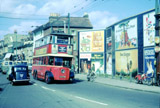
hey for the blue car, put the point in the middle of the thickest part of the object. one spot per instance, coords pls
(19, 73)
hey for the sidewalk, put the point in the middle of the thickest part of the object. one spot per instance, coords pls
(122, 83)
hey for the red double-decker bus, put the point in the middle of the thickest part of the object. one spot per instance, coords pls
(52, 58)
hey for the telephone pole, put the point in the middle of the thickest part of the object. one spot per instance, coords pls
(157, 40)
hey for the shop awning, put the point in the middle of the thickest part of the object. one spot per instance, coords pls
(7, 56)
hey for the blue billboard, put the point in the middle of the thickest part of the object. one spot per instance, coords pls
(149, 57)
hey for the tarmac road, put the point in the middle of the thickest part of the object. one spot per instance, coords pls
(80, 94)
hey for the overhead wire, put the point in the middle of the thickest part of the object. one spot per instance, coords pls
(83, 7)
(76, 4)
(20, 18)
(94, 4)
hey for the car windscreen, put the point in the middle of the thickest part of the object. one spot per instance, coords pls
(20, 69)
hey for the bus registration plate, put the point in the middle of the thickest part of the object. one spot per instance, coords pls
(62, 76)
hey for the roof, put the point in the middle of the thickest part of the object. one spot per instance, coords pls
(75, 22)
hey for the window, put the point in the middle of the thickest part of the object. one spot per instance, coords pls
(20, 69)
(67, 62)
(62, 40)
(10, 63)
(73, 32)
(53, 41)
(50, 60)
(58, 61)
(44, 60)
(45, 40)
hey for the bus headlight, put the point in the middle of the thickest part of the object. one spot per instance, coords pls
(62, 71)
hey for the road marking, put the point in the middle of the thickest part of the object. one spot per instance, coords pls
(35, 84)
(91, 101)
(48, 89)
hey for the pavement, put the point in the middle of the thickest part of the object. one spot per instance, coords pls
(121, 83)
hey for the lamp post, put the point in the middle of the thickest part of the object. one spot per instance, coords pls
(15, 31)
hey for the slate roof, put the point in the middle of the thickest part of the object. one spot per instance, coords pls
(75, 22)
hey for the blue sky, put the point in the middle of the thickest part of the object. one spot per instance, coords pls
(22, 14)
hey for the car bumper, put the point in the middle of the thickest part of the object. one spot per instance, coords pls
(23, 80)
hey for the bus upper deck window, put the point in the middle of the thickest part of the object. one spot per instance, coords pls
(50, 39)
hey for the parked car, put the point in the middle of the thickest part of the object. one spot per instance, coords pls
(19, 73)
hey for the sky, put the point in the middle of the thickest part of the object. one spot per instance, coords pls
(25, 15)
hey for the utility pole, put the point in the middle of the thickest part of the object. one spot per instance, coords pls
(68, 23)
(157, 40)
(16, 43)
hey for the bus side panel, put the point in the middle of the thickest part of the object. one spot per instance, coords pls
(59, 73)
(40, 71)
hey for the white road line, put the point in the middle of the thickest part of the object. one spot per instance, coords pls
(35, 84)
(91, 100)
(48, 89)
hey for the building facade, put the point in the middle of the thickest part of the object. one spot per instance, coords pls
(17, 44)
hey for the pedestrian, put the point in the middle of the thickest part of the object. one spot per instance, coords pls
(93, 68)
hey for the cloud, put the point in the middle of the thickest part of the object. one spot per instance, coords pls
(8, 5)
(24, 27)
(31, 9)
(2, 33)
(25, 9)
(62, 7)
(102, 19)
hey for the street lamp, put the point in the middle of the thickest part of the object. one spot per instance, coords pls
(15, 31)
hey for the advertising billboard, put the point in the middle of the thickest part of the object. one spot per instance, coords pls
(92, 41)
(127, 62)
(85, 41)
(98, 62)
(149, 57)
(109, 52)
(85, 62)
(97, 41)
(126, 35)
(149, 29)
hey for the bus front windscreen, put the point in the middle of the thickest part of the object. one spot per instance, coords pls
(58, 61)
(65, 62)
